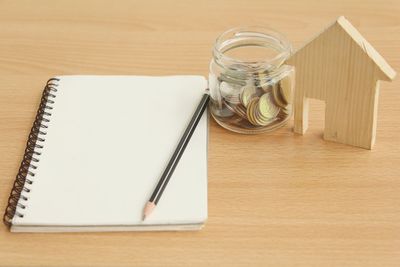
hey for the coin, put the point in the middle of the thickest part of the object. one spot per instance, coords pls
(261, 119)
(230, 92)
(246, 93)
(240, 110)
(286, 88)
(266, 106)
(251, 110)
(226, 89)
(237, 109)
(264, 80)
(286, 110)
(277, 96)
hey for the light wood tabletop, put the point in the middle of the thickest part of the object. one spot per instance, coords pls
(277, 199)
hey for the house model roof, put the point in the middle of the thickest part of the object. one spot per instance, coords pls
(387, 72)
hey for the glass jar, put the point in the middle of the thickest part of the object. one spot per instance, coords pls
(251, 88)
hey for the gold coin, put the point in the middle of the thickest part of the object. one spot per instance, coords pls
(263, 81)
(277, 96)
(250, 111)
(286, 88)
(261, 120)
(266, 106)
(258, 118)
(246, 93)
(286, 110)
(267, 121)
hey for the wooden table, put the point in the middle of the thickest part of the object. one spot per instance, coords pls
(275, 199)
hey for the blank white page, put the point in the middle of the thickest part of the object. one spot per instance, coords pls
(108, 142)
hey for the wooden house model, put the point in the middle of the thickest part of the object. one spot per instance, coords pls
(341, 68)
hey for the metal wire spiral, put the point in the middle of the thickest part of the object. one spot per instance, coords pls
(20, 192)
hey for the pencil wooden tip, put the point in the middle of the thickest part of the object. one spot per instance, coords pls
(148, 209)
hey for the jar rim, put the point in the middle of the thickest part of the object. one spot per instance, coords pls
(263, 34)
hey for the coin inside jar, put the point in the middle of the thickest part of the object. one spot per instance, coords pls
(250, 113)
(246, 93)
(286, 88)
(267, 108)
(277, 96)
(230, 92)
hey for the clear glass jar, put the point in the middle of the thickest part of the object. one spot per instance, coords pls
(251, 88)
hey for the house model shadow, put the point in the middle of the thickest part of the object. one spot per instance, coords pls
(341, 68)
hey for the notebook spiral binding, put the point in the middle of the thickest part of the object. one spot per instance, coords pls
(25, 177)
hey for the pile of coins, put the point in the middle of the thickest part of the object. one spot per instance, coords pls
(258, 100)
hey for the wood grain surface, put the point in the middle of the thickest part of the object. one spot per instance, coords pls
(276, 199)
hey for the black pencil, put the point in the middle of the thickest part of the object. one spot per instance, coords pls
(173, 162)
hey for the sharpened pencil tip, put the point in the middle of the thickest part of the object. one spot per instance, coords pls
(148, 209)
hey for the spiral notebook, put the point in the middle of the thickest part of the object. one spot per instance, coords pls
(97, 148)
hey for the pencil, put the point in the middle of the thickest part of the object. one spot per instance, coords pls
(173, 162)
